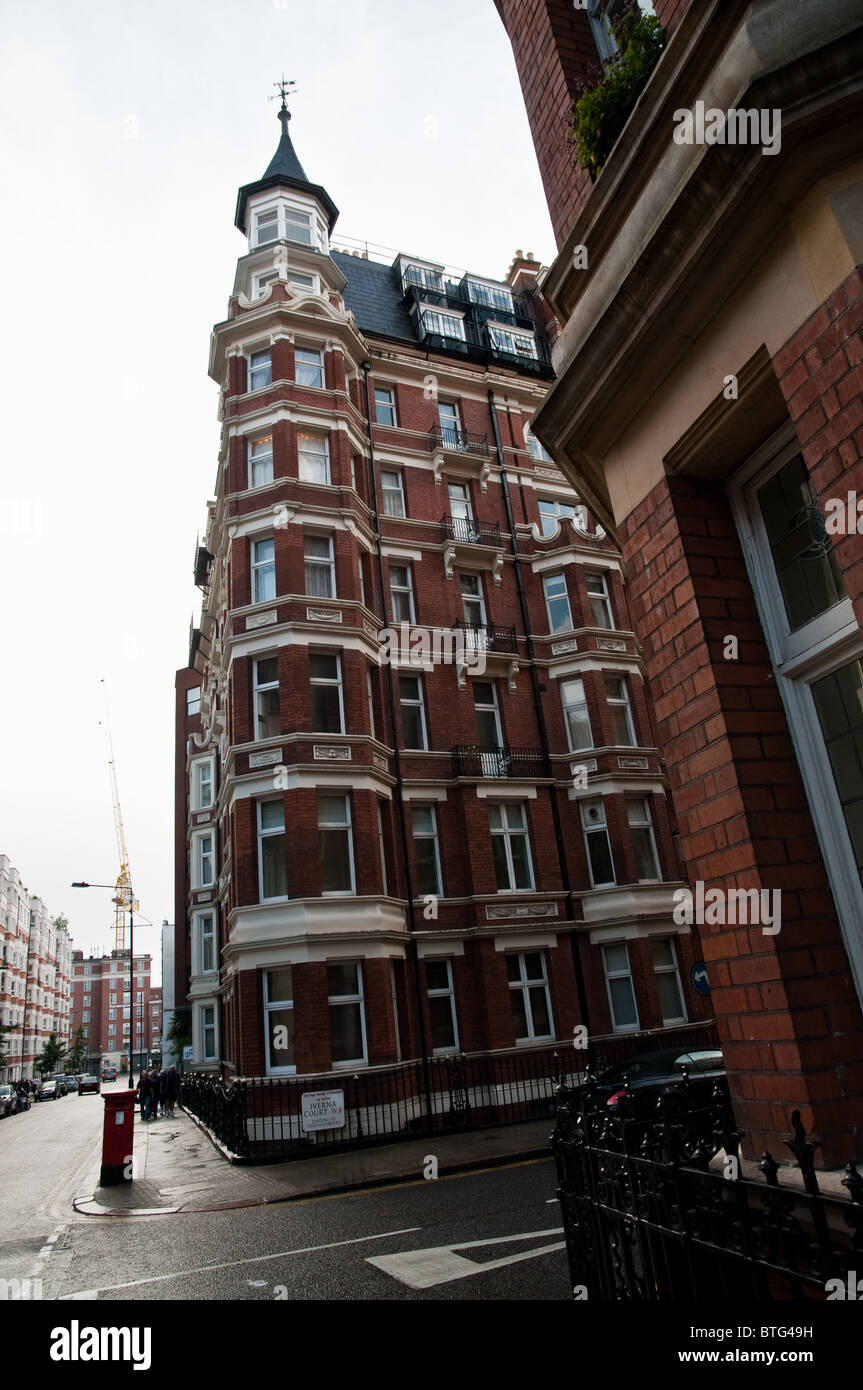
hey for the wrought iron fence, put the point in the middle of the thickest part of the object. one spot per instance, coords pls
(459, 440)
(469, 532)
(647, 1219)
(489, 760)
(488, 637)
(263, 1118)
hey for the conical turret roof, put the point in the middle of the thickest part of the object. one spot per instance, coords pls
(286, 170)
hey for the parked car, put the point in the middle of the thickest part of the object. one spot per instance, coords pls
(48, 1090)
(89, 1085)
(109, 1073)
(653, 1073)
(60, 1078)
(71, 1082)
(8, 1101)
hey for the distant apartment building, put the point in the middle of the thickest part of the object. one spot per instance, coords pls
(420, 808)
(103, 1006)
(35, 970)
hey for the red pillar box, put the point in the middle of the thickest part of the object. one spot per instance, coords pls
(117, 1138)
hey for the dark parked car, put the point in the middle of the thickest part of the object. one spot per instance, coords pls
(109, 1073)
(60, 1078)
(8, 1101)
(49, 1090)
(71, 1082)
(653, 1073)
(89, 1085)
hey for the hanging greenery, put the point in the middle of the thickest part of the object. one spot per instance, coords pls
(610, 91)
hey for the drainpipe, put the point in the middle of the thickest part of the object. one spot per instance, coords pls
(540, 720)
(391, 711)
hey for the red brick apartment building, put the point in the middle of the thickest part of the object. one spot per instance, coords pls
(102, 1006)
(467, 848)
(35, 952)
(707, 406)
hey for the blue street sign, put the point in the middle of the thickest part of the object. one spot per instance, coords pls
(699, 977)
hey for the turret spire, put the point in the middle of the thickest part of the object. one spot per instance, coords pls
(285, 168)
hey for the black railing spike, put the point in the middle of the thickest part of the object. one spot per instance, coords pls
(854, 1183)
(803, 1150)
(770, 1168)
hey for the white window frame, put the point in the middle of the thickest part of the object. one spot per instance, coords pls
(468, 598)
(390, 493)
(389, 405)
(562, 511)
(536, 449)
(200, 859)
(506, 832)
(201, 936)
(419, 704)
(432, 835)
(383, 849)
(546, 579)
(347, 826)
(304, 455)
(268, 216)
(261, 567)
(266, 834)
(329, 683)
(482, 292)
(276, 1006)
(313, 369)
(320, 562)
(261, 462)
(252, 370)
(446, 993)
(337, 999)
(608, 976)
(445, 325)
(193, 704)
(575, 704)
(518, 342)
(259, 687)
(198, 768)
(647, 824)
(204, 1027)
(621, 702)
(524, 985)
(604, 598)
(401, 589)
(820, 648)
(672, 969)
(594, 829)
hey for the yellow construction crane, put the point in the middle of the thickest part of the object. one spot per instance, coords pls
(123, 891)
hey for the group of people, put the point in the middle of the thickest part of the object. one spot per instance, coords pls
(158, 1090)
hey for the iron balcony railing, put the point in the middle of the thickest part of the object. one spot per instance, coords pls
(467, 531)
(487, 760)
(488, 637)
(459, 441)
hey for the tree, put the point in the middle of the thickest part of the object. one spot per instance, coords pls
(178, 1034)
(52, 1055)
(609, 92)
(78, 1051)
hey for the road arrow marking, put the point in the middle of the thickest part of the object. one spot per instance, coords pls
(423, 1269)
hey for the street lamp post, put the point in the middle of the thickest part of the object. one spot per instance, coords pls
(131, 968)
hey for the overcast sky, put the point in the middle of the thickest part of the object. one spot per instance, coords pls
(126, 130)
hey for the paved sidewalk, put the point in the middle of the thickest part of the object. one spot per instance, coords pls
(178, 1169)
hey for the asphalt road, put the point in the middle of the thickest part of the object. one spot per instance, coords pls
(488, 1235)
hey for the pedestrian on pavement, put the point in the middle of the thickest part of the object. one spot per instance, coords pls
(155, 1082)
(145, 1094)
(172, 1089)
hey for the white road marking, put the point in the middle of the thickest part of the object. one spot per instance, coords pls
(231, 1264)
(423, 1269)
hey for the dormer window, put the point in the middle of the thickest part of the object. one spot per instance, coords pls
(494, 296)
(422, 276)
(508, 341)
(445, 325)
(266, 227)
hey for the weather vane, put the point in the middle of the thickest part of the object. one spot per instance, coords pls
(285, 88)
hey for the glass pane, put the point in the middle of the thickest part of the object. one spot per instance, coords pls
(274, 874)
(268, 671)
(280, 988)
(616, 958)
(645, 858)
(839, 704)
(272, 815)
(342, 978)
(319, 581)
(346, 1032)
(539, 1011)
(621, 732)
(335, 861)
(323, 666)
(437, 975)
(533, 965)
(802, 553)
(317, 547)
(426, 863)
(332, 810)
(412, 725)
(269, 721)
(663, 956)
(501, 867)
(670, 1002)
(520, 863)
(519, 1017)
(495, 815)
(440, 1017)
(623, 1003)
(326, 709)
(513, 969)
(423, 820)
(280, 1023)
(601, 865)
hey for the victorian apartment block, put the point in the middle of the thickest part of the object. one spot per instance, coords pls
(102, 1005)
(35, 968)
(707, 405)
(420, 807)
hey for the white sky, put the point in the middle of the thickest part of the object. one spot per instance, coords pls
(125, 131)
